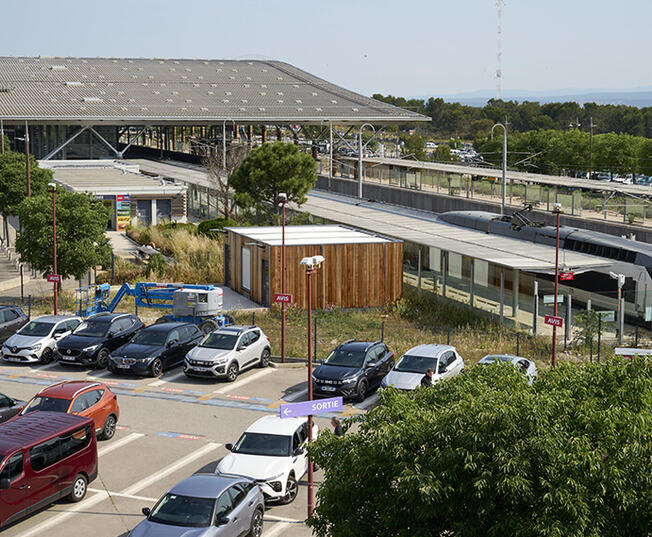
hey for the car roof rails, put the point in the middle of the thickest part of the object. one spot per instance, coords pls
(372, 344)
(347, 342)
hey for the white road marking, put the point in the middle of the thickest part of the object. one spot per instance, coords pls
(296, 395)
(237, 384)
(167, 379)
(101, 374)
(119, 443)
(149, 480)
(368, 402)
(128, 496)
(47, 366)
(277, 529)
(282, 519)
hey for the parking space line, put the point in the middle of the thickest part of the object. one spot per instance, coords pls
(294, 396)
(281, 518)
(237, 384)
(99, 375)
(128, 496)
(168, 379)
(119, 443)
(153, 478)
(278, 528)
(369, 402)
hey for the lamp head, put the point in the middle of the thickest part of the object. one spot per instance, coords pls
(282, 197)
(312, 262)
(52, 187)
(556, 208)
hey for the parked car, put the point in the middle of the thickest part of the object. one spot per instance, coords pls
(155, 348)
(527, 367)
(35, 341)
(444, 360)
(226, 352)
(224, 506)
(352, 369)
(94, 339)
(12, 318)
(271, 451)
(9, 407)
(89, 399)
(44, 456)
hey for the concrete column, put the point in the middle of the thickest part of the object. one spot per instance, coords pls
(581, 202)
(502, 294)
(444, 270)
(516, 285)
(236, 132)
(472, 284)
(624, 208)
(154, 217)
(419, 270)
(250, 135)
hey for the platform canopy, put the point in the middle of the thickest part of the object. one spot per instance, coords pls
(124, 91)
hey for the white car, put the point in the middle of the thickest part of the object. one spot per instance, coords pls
(35, 342)
(527, 367)
(272, 451)
(408, 371)
(226, 352)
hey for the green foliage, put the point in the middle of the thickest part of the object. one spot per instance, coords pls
(586, 323)
(486, 454)
(414, 145)
(442, 153)
(13, 182)
(269, 170)
(81, 240)
(170, 227)
(205, 227)
(156, 265)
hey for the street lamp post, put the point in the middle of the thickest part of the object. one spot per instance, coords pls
(27, 170)
(311, 264)
(504, 192)
(557, 211)
(621, 305)
(52, 187)
(283, 198)
(360, 156)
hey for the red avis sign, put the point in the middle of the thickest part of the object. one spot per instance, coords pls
(53, 278)
(282, 298)
(566, 276)
(554, 321)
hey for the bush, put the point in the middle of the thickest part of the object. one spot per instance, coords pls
(204, 228)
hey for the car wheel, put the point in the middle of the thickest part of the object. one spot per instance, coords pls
(102, 359)
(361, 392)
(79, 487)
(108, 431)
(232, 372)
(230, 319)
(264, 358)
(156, 368)
(208, 326)
(47, 356)
(256, 529)
(291, 490)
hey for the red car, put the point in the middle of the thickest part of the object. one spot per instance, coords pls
(89, 399)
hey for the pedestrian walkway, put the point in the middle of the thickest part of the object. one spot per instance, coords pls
(122, 245)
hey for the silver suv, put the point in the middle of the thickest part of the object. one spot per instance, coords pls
(226, 352)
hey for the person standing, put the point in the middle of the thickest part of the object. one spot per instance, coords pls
(337, 426)
(427, 378)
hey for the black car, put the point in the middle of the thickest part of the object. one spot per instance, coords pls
(12, 319)
(96, 337)
(352, 369)
(155, 348)
(9, 407)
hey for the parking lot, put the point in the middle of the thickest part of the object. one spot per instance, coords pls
(169, 428)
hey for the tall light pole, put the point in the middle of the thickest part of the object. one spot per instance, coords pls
(504, 191)
(52, 187)
(2, 138)
(621, 305)
(27, 170)
(591, 125)
(360, 156)
(283, 198)
(557, 211)
(311, 264)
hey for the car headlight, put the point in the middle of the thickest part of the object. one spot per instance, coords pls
(220, 361)
(274, 477)
(35, 347)
(351, 380)
(92, 348)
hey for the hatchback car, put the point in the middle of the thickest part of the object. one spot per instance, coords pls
(88, 399)
(35, 341)
(352, 369)
(155, 348)
(206, 505)
(271, 451)
(228, 351)
(9, 407)
(444, 360)
(94, 339)
(11, 319)
(527, 367)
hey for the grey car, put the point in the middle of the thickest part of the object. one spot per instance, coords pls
(206, 505)
(9, 407)
(525, 366)
(12, 318)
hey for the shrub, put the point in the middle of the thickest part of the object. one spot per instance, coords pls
(204, 228)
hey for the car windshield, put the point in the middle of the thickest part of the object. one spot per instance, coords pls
(150, 337)
(410, 363)
(345, 358)
(92, 329)
(217, 340)
(36, 328)
(187, 511)
(496, 358)
(51, 404)
(268, 445)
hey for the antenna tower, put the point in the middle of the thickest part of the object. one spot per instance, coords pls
(499, 50)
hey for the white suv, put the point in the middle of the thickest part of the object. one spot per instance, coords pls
(444, 360)
(272, 451)
(226, 352)
(35, 342)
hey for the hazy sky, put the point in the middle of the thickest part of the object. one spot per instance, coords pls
(409, 47)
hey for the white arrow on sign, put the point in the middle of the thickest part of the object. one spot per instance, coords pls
(286, 411)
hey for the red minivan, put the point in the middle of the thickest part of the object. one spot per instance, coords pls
(44, 456)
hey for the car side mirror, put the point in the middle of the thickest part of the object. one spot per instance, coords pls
(229, 447)
(371, 364)
(222, 520)
(146, 511)
(5, 484)
(298, 452)
(171, 343)
(442, 369)
(240, 347)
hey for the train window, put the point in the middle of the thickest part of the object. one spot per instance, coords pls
(631, 256)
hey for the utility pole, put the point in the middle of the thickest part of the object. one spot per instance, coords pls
(557, 211)
(2, 138)
(504, 189)
(283, 198)
(53, 188)
(591, 125)
(27, 171)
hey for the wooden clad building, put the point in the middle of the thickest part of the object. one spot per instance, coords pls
(361, 269)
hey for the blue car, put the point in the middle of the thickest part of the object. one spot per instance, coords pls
(206, 505)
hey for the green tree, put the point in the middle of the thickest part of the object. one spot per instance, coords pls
(415, 145)
(81, 240)
(442, 153)
(486, 454)
(269, 170)
(13, 182)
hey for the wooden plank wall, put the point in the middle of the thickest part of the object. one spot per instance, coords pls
(236, 242)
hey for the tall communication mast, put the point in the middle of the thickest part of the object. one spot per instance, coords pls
(499, 50)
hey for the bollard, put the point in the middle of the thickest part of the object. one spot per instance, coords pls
(636, 337)
(382, 331)
(253, 318)
(29, 306)
(599, 334)
(22, 295)
(591, 350)
(448, 337)
(518, 343)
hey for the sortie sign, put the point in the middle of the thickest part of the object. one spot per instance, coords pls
(309, 408)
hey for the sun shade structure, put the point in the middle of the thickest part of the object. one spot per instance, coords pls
(125, 91)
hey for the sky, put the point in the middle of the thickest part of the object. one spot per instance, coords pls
(407, 48)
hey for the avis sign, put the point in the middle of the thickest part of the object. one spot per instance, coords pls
(53, 278)
(554, 321)
(566, 276)
(309, 408)
(282, 298)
